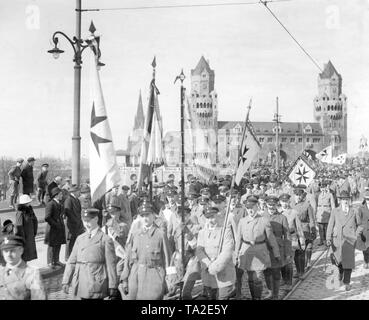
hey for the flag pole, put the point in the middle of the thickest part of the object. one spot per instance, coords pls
(233, 181)
(181, 77)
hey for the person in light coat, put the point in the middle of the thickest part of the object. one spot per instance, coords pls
(344, 228)
(218, 272)
(363, 242)
(91, 267)
(254, 236)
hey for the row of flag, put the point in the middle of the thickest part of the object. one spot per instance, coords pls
(326, 155)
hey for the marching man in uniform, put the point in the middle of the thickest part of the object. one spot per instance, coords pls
(148, 256)
(218, 272)
(91, 267)
(344, 228)
(18, 281)
(325, 206)
(254, 232)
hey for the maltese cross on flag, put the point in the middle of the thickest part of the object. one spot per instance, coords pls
(301, 173)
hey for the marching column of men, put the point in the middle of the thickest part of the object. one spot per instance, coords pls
(128, 246)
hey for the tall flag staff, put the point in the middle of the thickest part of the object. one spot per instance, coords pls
(145, 168)
(181, 77)
(241, 156)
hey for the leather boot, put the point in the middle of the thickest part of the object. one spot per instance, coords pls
(11, 202)
(289, 275)
(269, 283)
(275, 290)
(258, 289)
(239, 274)
(252, 289)
(308, 258)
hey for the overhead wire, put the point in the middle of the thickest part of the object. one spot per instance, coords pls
(184, 6)
(294, 39)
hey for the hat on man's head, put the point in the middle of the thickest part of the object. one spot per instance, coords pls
(90, 213)
(74, 188)
(218, 198)
(31, 159)
(251, 201)
(125, 187)
(300, 189)
(114, 204)
(272, 200)
(193, 196)
(145, 209)
(285, 197)
(223, 188)
(12, 241)
(7, 223)
(85, 189)
(20, 160)
(55, 191)
(210, 211)
(24, 199)
(366, 194)
(46, 165)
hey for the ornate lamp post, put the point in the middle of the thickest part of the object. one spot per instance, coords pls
(78, 46)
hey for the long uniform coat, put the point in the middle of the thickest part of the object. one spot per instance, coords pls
(364, 216)
(21, 283)
(27, 179)
(42, 180)
(91, 267)
(55, 230)
(72, 212)
(26, 227)
(148, 255)
(282, 235)
(325, 206)
(254, 233)
(207, 253)
(343, 230)
(306, 216)
(296, 230)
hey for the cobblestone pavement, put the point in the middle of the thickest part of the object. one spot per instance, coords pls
(324, 285)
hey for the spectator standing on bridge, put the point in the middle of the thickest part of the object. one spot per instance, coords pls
(56, 183)
(18, 281)
(85, 197)
(27, 176)
(72, 212)
(42, 184)
(55, 230)
(26, 227)
(14, 177)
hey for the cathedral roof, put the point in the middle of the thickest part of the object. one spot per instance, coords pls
(329, 71)
(267, 127)
(139, 118)
(203, 64)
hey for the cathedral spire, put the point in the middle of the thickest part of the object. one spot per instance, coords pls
(139, 118)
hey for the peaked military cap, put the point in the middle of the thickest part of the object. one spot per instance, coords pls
(193, 196)
(31, 159)
(85, 189)
(285, 197)
(125, 187)
(90, 213)
(251, 199)
(300, 188)
(45, 165)
(218, 198)
(20, 160)
(114, 205)
(210, 211)
(145, 209)
(12, 241)
(272, 200)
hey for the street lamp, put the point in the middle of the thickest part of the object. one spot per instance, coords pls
(78, 46)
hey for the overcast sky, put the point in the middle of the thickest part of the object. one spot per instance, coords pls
(249, 51)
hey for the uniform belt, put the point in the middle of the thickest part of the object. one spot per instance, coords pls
(324, 205)
(150, 266)
(257, 242)
(86, 262)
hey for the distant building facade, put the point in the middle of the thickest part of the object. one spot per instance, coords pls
(217, 142)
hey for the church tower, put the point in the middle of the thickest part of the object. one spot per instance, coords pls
(204, 112)
(330, 109)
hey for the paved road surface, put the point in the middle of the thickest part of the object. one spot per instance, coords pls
(322, 285)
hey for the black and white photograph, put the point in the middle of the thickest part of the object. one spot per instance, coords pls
(196, 150)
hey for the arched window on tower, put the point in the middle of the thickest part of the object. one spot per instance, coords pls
(197, 105)
(211, 105)
(329, 108)
(200, 104)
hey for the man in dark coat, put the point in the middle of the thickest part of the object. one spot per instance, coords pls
(26, 227)
(27, 176)
(55, 230)
(72, 212)
(14, 177)
(42, 183)
(56, 183)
